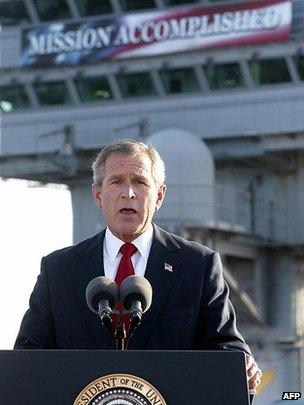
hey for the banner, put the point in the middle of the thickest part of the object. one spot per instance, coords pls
(156, 33)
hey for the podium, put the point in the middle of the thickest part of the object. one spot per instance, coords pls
(91, 377)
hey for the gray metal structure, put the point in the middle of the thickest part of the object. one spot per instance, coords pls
(255, 136)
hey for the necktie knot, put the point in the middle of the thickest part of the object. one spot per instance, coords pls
(128, 249)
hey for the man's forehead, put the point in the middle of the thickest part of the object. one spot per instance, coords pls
(117, 161)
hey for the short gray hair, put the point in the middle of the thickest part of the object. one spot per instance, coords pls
(132, 148)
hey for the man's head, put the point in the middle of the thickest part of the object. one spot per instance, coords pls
(128, 186)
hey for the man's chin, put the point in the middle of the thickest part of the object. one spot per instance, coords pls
(128, 233)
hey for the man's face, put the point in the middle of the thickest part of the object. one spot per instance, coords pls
(128, 196)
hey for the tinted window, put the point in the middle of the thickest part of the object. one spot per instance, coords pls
(136, 4)
(92, 7)
(93, 89)
(224, 76)
(179, 80)
(52, 93)
(12, 12)
(12, 98)
(299, 60)
(52, 9)
(136, 85)
(269, 71)
(176, 2)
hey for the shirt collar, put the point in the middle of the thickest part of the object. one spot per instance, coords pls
(143, 243)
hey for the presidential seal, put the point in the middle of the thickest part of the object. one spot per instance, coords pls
(119, 389)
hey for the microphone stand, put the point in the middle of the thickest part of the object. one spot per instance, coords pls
(135, 322)
(120, 336)
(104, 313)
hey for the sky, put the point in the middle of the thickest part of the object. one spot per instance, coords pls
(34, 221)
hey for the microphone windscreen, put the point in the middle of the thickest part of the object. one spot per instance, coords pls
(101, 288)
(136, 288)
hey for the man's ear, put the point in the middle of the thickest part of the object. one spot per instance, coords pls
(160, 196)
(96, 191)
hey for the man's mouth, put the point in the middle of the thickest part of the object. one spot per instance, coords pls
(128, 211)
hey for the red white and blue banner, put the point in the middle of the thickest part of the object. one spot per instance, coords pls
(157, 33)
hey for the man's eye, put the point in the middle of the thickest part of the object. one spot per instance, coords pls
(116, 181)
(140, 181)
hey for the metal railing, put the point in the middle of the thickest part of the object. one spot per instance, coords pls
(297, 28)
(232, 209)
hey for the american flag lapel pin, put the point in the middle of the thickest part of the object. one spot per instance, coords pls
(168, 267)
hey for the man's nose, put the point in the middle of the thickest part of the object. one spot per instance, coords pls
(128, 191)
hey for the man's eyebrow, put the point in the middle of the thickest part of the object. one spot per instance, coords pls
(116, 177)
(122, 176)
(139, 176)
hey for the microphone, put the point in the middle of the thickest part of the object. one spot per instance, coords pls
(102, 296)
(136, 296)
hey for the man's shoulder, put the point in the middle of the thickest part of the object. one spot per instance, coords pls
(78, 249)
(182, 243)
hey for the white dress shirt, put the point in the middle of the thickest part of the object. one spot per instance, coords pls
(112, 255)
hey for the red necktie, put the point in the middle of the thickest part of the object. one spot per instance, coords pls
(125, 269)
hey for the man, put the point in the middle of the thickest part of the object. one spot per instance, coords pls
(190, 308)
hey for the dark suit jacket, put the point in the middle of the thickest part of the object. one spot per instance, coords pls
(190, 308)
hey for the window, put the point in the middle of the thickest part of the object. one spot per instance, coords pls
(93, 89)
(299, 61)
(128, 5)
(52, 9)
(136, 85)
(93, 7)
(12, 12)
(176, 2)
(179, 80)
(52, 93)
(269, 71)
(224, 76)
(13, 97)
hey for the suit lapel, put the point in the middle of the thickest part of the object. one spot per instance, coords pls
(91, 266)
(162, 268)
(164, 254)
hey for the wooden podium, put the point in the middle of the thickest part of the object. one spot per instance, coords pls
(58, 377)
